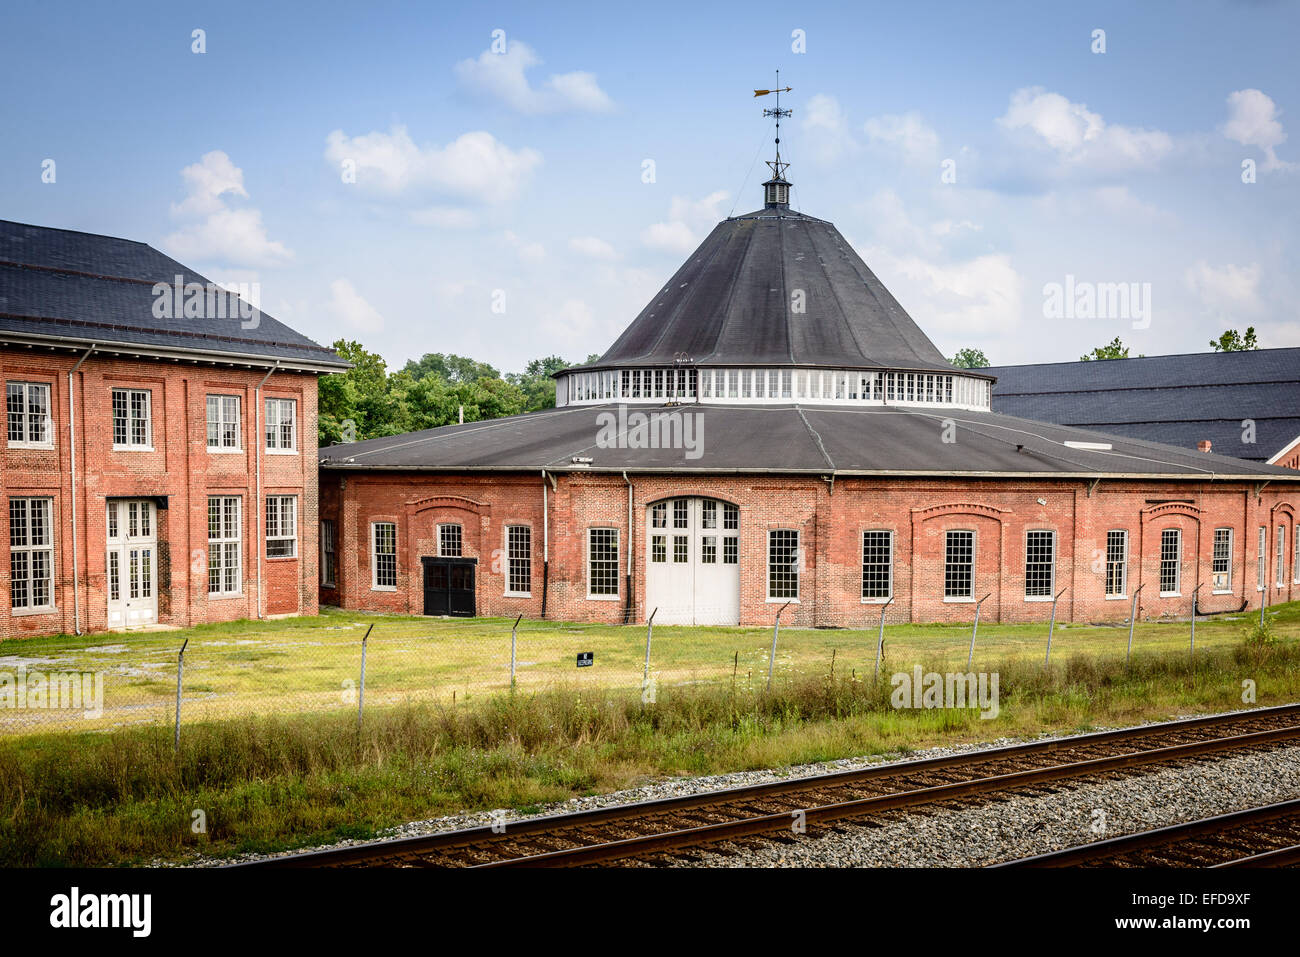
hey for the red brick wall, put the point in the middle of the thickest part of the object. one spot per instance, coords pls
(831, 523)
(180, 467)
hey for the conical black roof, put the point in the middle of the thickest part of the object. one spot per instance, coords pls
(733, 302)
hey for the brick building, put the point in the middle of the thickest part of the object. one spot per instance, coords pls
(159, 464)
(774, 429)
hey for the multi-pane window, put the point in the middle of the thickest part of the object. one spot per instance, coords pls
(329, 558)
(730, 550)
(730, 516)
(681, 549)
(132, 425)
(709, 513)
(450, 539)
(877, 564)
(602, 561)
(28, 405)
(281, 425)
(1171, 554)
(1221, 561)
(709, 550)
(680, 512)
(223, 422)
(223, 545)
(959, 564)
(1040, 563)
(1295, 558)
(659, 548)
(659, 515)
(519, 560)
(1116, 563)
(31, 554)
(782, 563)
(1279, 562)
(1261, 559)
(281, 526)
(383, 543)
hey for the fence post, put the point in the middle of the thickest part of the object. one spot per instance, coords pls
(514, 639)
(880, 640)
(1192, 648)
(1052, 627)
(649, 630)
(180, 673)
(974, 628)
(776, 630)
(1263, 601)
(361, 697)
(1132, 620)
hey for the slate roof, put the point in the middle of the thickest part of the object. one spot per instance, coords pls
(731, 304)
(1178, 400)
(813, 440)
(62, 285)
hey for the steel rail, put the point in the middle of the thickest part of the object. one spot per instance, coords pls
(400, 850)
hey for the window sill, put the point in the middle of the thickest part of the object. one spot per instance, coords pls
(134, 448)
(281, 451)
(602, 598)
(1117, 598)
(1171, 594)
(877, 601)
(32, 446)
(1222, 591)
(1038, 598)
(778, 601)
(225, 595)
(518, 594)
(281, 558)
(383, 588)
(959, 601)
(328, 585)
(213, 451)
(26, 612)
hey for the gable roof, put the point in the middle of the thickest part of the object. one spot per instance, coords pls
(1178, 400)
(733, 302)
(58, 285)
(814, 440)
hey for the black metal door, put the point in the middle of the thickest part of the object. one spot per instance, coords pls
(449, 586)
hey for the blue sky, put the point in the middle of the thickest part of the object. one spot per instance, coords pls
(516, 178)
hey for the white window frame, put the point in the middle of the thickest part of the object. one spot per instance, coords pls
(222, 423)
(1261, 560)
(974, 557)
(375, 583)
(30, 549)
(278, 403)
(131, 445)
(329, 546)
(460, 539)
(280, 535)
(796, 569)
(1295, 556)
(1279, 557)
(1051, 585)
(618, 557)
(26, 415)
(220, 546)
(889, 593)
(1122, 563)
(511, 559)
(1178, 565)
(1226, 589)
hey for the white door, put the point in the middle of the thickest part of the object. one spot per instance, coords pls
(132, 566)
(693, 562)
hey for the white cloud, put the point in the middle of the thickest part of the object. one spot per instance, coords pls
(475, 165)
(592, 246)
(975, 297)
(1226, 289)
(906, 134)
(348, 308)
(1080, 137)
(1253, 121)
(826, 136)
(529, 252)
(502, 76)
(446, 217)
(574, 322)
(215, 232)
(687, 224)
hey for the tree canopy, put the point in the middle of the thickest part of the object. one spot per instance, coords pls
(1233, 341)
(1111, 350)
(970, 359)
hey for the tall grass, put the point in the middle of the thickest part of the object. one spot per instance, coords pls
(270, 782)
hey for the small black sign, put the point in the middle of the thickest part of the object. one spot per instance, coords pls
(586, 659)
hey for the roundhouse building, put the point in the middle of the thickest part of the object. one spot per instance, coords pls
(774, 428)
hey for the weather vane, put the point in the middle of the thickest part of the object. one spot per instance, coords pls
(777, 167)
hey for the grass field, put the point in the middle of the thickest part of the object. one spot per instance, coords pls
(313, 664)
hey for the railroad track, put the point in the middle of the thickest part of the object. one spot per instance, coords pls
(779, 809)
(1258, 837)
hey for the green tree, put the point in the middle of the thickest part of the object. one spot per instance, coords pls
(970, 359)
(357, 403)
(1112, 350)
(1233, 341)
(451, 368)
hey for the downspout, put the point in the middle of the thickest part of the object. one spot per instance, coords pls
(72, 489)
(259, 509)
(631, 538)
(546, 540)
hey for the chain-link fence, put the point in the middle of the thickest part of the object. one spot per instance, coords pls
(338, 662)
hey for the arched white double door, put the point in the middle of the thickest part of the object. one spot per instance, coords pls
(693, 561)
